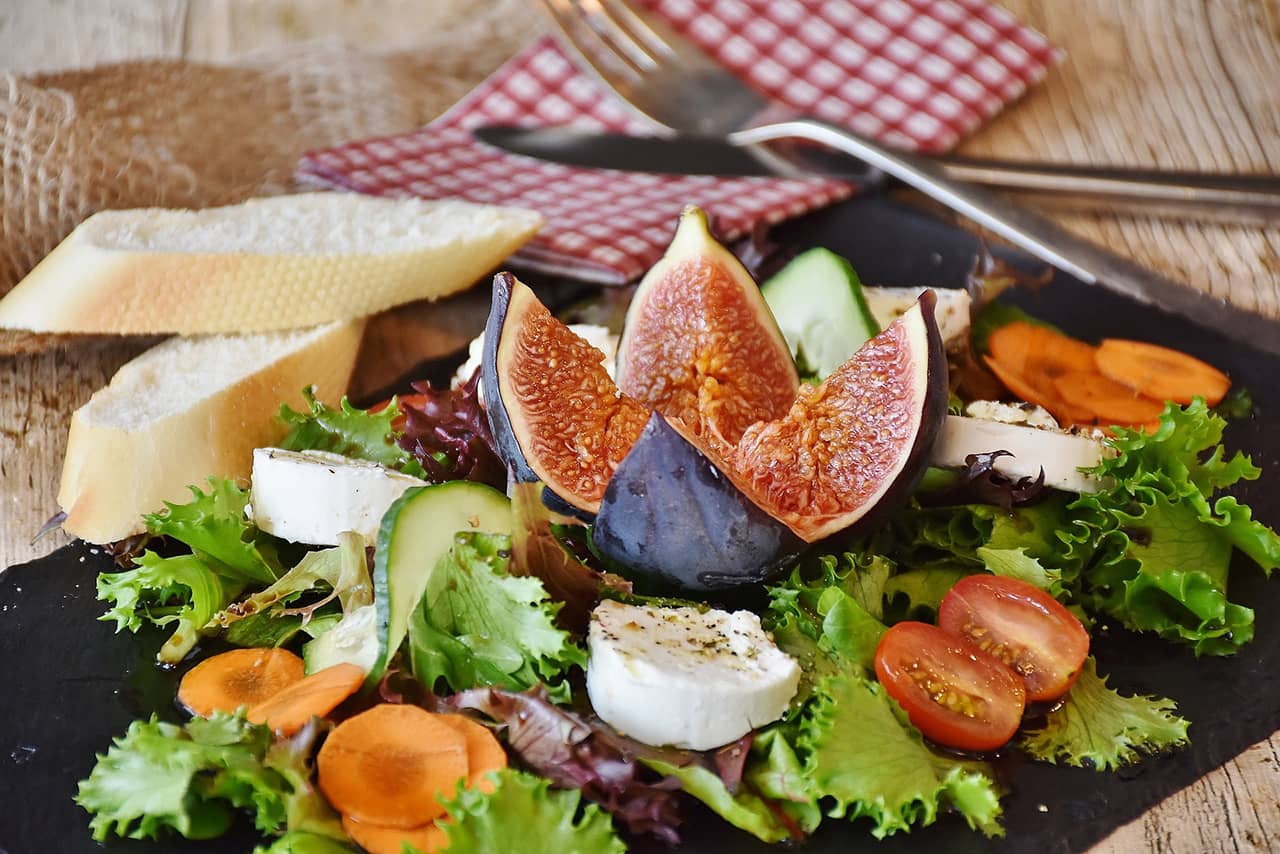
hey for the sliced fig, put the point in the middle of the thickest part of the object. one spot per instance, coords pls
(681, 507)
(700, 343)
(857, 443)
(555, 413)
(672, 518)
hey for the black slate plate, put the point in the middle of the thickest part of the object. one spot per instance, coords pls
(70, 684)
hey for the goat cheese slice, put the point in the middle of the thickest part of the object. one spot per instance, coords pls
(1062, 455)
(683, 677)
(887, 304)
(312, 496)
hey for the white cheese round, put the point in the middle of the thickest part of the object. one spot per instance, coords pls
(312, 496)
(1061, 455)
(683, 677)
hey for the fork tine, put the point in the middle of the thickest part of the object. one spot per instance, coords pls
(637, 27)
(601, 19)
(584, 40)
(659, 38)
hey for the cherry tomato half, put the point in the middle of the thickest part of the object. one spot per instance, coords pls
(953, 692)
(1021, 625)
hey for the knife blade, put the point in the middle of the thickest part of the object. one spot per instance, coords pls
(1243, 199)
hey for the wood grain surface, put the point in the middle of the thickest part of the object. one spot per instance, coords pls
(1170, 83)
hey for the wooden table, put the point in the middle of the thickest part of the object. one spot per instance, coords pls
(1173, 83)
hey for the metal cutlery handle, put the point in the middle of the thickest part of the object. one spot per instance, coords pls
(1227, 198)
(1029, 231)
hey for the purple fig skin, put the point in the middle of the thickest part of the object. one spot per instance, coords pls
(672, 521)
(504, 437)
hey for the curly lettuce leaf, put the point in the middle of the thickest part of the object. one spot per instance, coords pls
(213, 524)
(521, 813)
(838, 613)
(1160, 546)
(918, 591)
(191, 779)
(479, 626)
(861, 754)
(182, 592)
(1099, 728)
(350, 431)
(187, 590)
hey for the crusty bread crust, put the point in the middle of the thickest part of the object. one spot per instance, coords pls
(113, 474)
(86, 287)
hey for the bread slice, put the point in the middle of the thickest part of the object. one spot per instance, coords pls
(188, 409)
(284, 262)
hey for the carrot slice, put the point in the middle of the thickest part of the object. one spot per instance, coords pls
(376, 839)
(389, 765)
(1108, 400)
(317, 695)
(1161, 373)
(484, 753)
(241, 677)
(1041, 394)
(1029, 350)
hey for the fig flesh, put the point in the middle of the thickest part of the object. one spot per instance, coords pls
(555, 413)
(857, 443)
(700, 343)
(672, 519)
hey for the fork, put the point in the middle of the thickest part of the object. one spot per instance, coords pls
(673, 84)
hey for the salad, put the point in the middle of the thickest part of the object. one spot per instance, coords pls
(805, 553)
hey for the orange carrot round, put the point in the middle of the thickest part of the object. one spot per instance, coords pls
(241, 677)
(317, 695)
(1161, 373)
(1029, 350)
(391, 765)
(1040, 393)
(1108, 400)
(484, 753)
(376, 839)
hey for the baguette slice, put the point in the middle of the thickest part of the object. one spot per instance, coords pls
(285, 262)
(188, 409)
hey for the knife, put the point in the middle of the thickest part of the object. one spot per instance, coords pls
(1248, 199)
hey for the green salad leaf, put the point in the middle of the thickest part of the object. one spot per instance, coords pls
(521, 813)
(213, 524)
(340, 573)
(480, 626)
(1159, 545)
(301, 842)
(1097, 727)
(185, 591)
(744, 809)
(191, 779)
(775, 771)
(860, 752)
(838, 613)
(182, 592)
(350, 431)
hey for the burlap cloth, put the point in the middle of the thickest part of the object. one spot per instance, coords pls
(181, 134)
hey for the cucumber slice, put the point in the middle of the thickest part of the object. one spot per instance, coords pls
(818, 303)
(417, 531)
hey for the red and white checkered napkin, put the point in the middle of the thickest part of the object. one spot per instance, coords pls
(912, 73)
